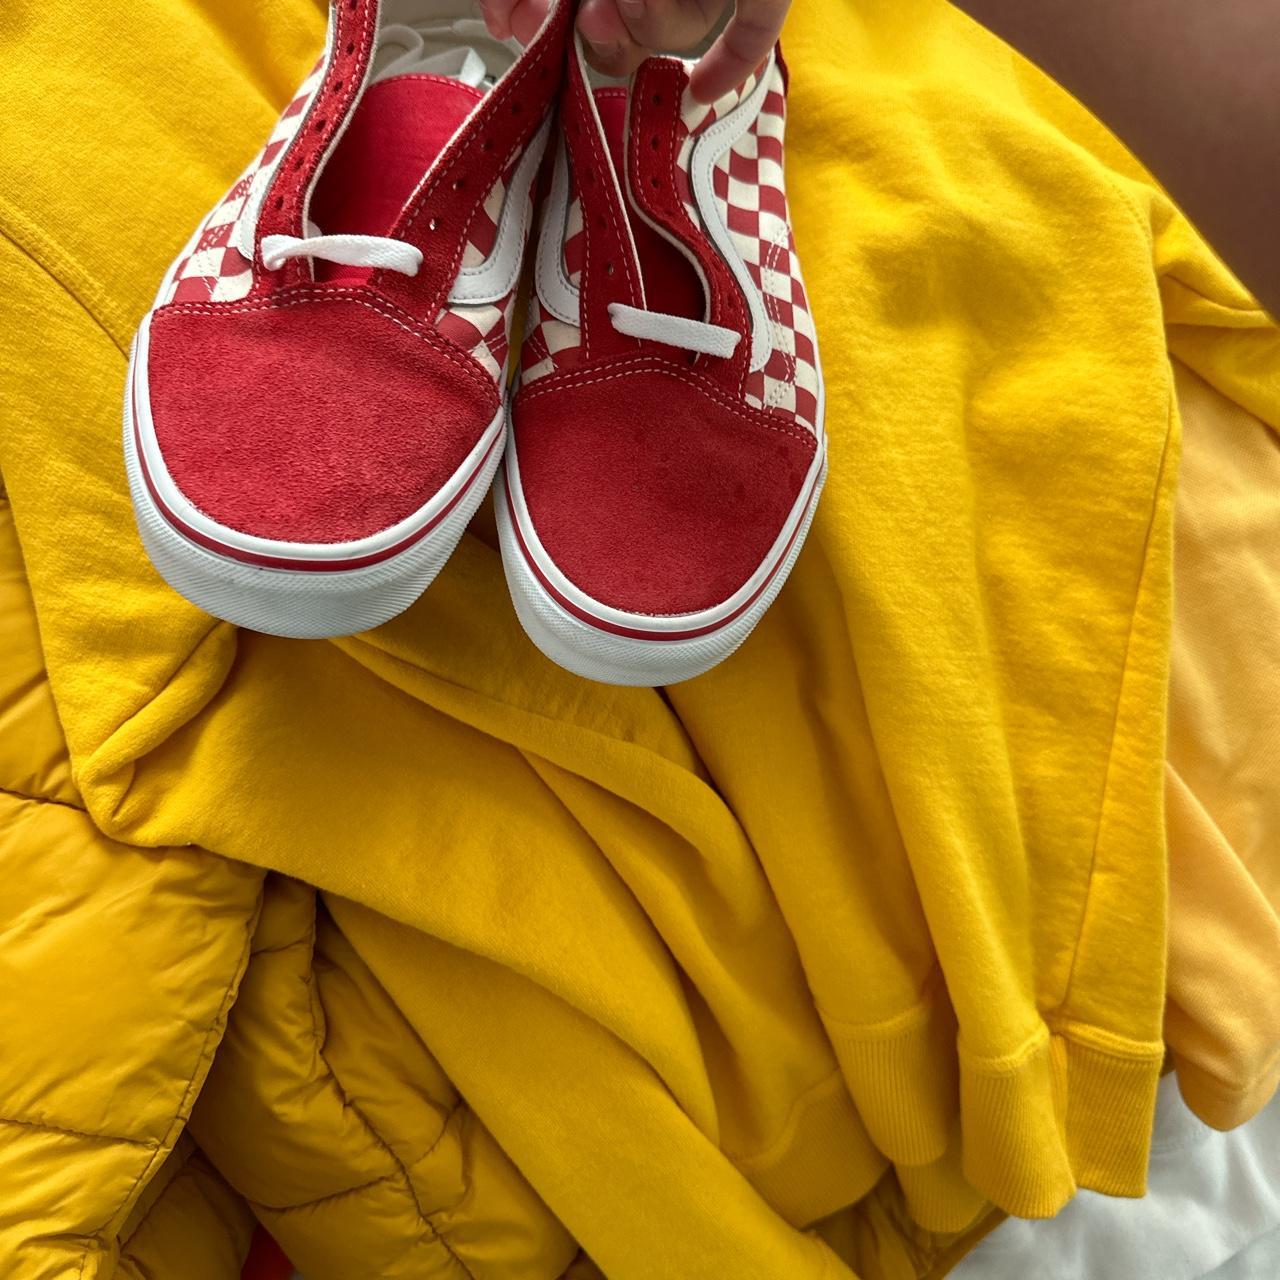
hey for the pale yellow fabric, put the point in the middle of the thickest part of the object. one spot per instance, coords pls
(885, 889)
(1223, 1022)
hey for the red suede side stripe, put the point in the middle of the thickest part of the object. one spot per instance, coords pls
(355, 29)
(452, 193)
(282, 562)
(652, 156)
(636, 633)
(610, 272)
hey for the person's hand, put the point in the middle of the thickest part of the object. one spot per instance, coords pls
(620, 34)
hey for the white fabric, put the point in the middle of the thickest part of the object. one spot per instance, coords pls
(1212, 1209)
(463, 63)
(676, 331)
(1258, 1261)
(351, 251)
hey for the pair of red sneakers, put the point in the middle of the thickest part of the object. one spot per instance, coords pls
(317, 403)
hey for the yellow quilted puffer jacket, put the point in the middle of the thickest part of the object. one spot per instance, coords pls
(128, 968)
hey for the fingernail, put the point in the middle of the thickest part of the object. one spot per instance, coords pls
(607, 52)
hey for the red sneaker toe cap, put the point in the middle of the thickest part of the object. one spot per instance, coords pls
(652, 494)
(316, 421)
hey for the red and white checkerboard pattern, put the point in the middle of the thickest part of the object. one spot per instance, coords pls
(748, 183)
(215, 270)
(482, 234)
(750, 188)
(696, 118)
(485, 330)
(789, 382)
(550, 344)
(575, 241)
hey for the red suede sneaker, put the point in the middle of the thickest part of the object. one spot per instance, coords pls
(315, 403)
(667, 449)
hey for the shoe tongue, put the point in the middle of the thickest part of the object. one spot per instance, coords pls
(402, 51)
(671, 284)
(413, 106)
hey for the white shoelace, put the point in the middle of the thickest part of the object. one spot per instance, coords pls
(378, 252)
(383, 252)
(675, 331)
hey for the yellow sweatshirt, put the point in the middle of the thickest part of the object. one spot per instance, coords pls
(886, 889)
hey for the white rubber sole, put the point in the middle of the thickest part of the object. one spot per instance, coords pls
(337, 589)
(601, 643)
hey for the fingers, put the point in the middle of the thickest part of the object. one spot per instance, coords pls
(669, 25)
(609, 45)
(741, 47)
(497, 17)
(527, 17)
(518, 18)
(620, 34)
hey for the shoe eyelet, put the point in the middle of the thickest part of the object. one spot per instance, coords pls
(337, 85)
(517, 108)
(432, 224)
(457, 184)
(653, 182)
(608, 268)
(279, 203)
(486, 144)
(351, 48)
(657, 99)
(653, 142)
(319, 125)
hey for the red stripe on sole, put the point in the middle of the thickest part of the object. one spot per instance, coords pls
(636, 633)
